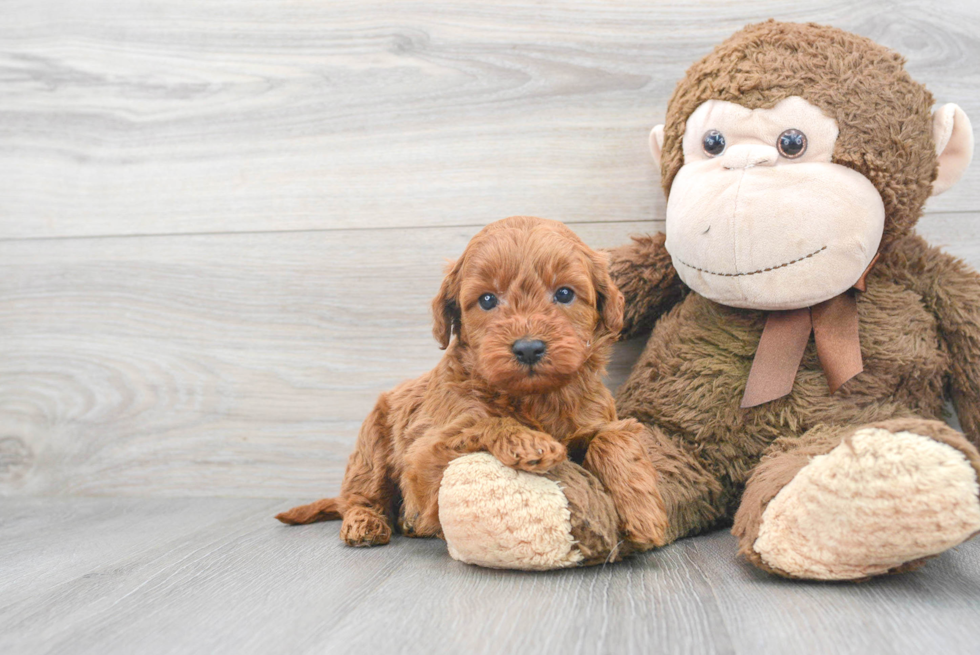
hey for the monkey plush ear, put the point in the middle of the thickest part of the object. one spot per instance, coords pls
(657, 143)
(953, 135)
(445, 306)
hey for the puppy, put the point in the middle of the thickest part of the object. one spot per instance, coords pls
(534, 314)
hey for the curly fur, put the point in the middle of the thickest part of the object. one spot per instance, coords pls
(481, 398)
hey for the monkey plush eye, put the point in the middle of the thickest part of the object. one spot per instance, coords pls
(564, 295)
(488, 301)
(791, 144)
(713, 143)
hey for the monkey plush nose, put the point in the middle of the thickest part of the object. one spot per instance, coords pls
(747, 156)
(528, 351)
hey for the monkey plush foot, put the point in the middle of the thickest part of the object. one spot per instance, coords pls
(881, 501)
(498, 517)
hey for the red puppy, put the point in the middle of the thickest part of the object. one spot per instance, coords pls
(534, 313)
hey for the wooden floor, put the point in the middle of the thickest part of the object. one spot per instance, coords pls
(221, 225)
(127, 576)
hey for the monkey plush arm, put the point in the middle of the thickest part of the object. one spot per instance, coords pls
(954, 293)
(645, 275)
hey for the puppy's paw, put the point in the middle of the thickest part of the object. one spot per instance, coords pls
(406, 523)
(467, 442)
(364, 527)
(416, 525)
(647, 528)
(529, 451)
(641, 508)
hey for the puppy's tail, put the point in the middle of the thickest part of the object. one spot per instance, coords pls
(328, 509)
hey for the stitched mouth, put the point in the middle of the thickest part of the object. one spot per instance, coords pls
(761, 270)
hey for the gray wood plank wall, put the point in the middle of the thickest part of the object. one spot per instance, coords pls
(221, 222)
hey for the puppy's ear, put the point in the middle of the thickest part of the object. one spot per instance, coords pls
(445, 306)
(610, 302)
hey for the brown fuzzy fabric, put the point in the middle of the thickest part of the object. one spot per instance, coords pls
(593, 515)
(651, 281)
(481, 397)
(950, 289)
(919, 319)
(692, 495)
(884, 119)
(687, 384)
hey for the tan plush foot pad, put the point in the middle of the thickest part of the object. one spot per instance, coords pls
(494, 516)
(869, 506)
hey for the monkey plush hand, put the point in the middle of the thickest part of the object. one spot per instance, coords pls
(796, 384)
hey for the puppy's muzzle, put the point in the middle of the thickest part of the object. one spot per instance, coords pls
(528, 351)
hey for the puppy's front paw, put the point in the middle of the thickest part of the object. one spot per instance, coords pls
(529, 451)
(647, 528)
(364, 527)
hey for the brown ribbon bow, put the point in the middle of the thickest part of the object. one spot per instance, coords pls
(834, 324)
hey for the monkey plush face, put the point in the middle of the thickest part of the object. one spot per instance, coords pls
(791, 155)
(760, 216)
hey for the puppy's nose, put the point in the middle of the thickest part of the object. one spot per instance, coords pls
(528, 351)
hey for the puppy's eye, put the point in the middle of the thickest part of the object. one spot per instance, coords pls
(564, 295)
(713, 143)
(488, 301)
(791, 144)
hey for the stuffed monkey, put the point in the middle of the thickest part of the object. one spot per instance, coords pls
(804, 339)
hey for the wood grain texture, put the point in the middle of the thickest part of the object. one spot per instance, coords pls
(183, 116)
(220, 576)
